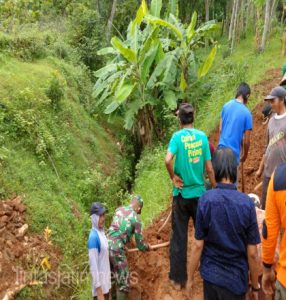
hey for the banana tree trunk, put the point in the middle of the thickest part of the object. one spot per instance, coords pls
(146, 129)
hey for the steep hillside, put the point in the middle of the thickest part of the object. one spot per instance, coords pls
(54, 154)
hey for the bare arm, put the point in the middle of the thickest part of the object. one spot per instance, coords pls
(169, 164)
(253, 263)
(261, 166)
(210, 171)
(177, 181)
(246, 145)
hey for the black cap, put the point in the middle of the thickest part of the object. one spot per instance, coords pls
(278, 91)
(97, 208)
(185, 109)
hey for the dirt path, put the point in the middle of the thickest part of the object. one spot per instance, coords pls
(151, 269)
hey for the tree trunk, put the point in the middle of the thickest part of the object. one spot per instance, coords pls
(247, 15)
(231, 21)
(110, 20)
(234, 29)
(284, 43)
(274, 8)
(266, 24)
(283, 15)
(207, 8)
(257, 32)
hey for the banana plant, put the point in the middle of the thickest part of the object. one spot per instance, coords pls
(155, 65)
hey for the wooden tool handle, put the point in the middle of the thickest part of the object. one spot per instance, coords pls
(152, 247)
(165, 223)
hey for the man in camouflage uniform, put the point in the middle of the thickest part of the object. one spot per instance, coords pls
(126, 223)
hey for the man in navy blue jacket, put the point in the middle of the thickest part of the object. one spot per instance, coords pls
(226, 235)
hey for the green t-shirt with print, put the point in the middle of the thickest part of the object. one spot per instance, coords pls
(191, 149)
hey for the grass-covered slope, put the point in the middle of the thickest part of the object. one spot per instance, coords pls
(52, 152)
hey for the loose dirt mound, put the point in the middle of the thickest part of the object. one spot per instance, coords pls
(150, 277)
(21, 252)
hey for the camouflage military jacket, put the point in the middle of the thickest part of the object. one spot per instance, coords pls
(126, 223)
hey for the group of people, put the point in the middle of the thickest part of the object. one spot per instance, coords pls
(228, 233)
(107, 253)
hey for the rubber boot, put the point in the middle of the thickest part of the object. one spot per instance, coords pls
(121, 295)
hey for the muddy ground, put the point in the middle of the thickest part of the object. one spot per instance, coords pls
(152, 268)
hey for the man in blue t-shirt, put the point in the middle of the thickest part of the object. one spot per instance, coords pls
(190, 150)
(226, 236)
(236, 124)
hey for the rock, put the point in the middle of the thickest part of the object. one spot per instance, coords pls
(18, 252)
(23, 230)
(9, 244)
(21, 208)
(7, 209)
(4, 219)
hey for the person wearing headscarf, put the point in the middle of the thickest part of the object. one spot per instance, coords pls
(99, 254)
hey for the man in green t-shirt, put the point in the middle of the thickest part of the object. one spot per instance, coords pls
(191, 150)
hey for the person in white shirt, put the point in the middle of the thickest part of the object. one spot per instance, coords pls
(98, 254)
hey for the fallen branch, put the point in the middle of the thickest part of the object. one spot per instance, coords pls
(166, 221)
(152, 247)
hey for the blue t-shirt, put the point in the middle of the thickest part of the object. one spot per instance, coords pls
(191, 148)
(236, 119)
(227, 222)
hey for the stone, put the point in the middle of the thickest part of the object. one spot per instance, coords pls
(23, 230)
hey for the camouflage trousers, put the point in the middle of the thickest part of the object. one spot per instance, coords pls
(119, 269)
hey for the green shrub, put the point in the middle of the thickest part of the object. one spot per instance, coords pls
(85, 34)
(55, 90)
(27, 45)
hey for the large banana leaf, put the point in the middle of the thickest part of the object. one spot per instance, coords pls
(164, 23)
(205, 67)
(207, 28)
(192, 26)
(156, 73)
(124, 92)
(170, 71)
(147, 44)
(107, 50)
(177, 24)
(141, 12)
(170, 99)
(111, 107)
(133, 36)
(173, 7)
(105, 85)
(183, 82)
(156, 6)
(106, 71)
(148, 61)
(130, 115)
(127, 53)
